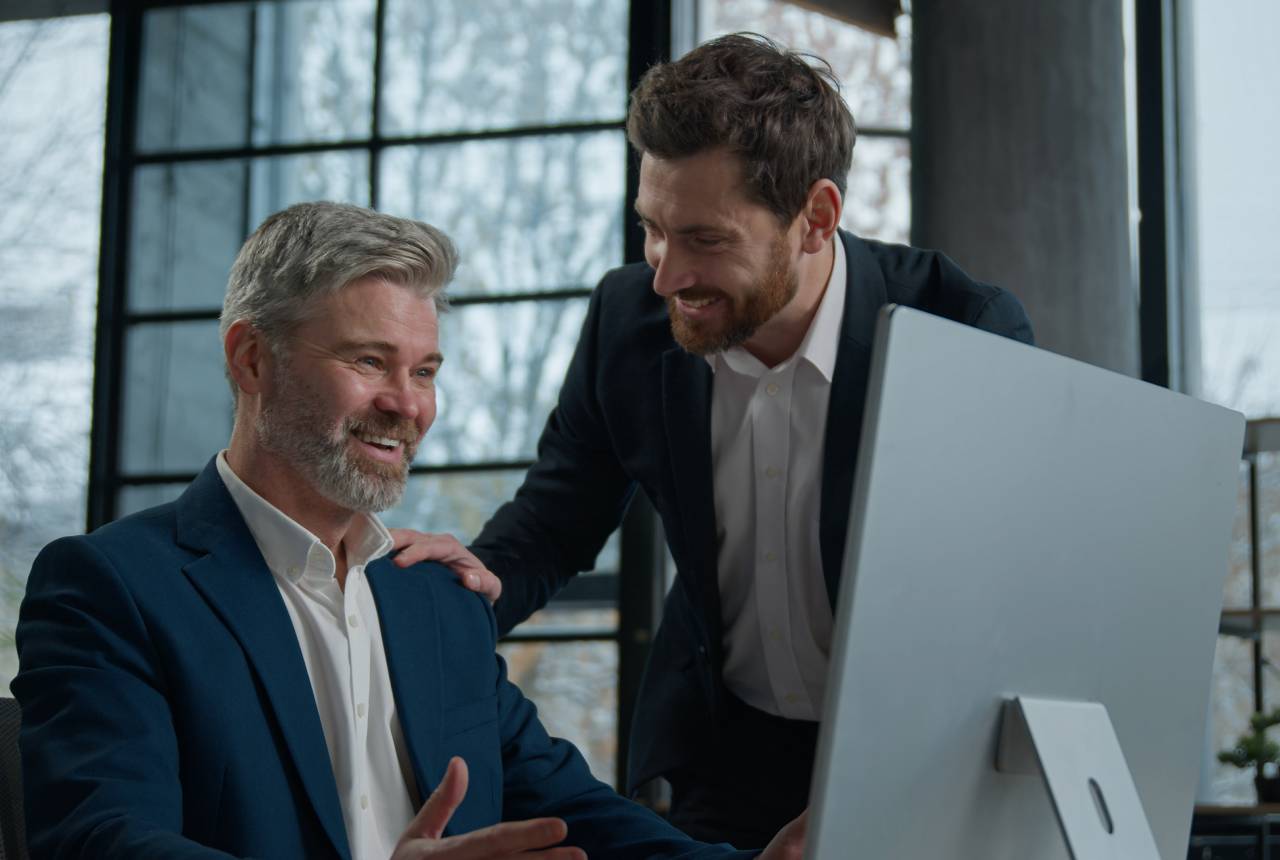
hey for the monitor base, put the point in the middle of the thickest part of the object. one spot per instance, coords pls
(1074, 747)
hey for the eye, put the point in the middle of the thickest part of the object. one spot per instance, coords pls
(705, 242)
(427, 373)
(370, 362)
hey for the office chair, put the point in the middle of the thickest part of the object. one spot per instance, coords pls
(13, 825)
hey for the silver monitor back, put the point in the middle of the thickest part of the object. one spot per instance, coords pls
(1022, 523)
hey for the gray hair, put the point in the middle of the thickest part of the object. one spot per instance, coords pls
(311, 250)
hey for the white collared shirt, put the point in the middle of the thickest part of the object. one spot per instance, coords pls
(767, 435)
(341, 641)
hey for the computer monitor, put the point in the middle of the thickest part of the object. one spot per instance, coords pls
(1023, 524)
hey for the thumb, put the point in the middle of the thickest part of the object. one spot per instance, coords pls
(434, 816)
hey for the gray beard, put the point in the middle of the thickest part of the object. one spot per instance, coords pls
(293, 429)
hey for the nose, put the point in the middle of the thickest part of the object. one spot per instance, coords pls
(401, 398)
(672, 270)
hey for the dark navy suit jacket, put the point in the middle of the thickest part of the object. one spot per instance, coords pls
(635, 410)
(167, 711)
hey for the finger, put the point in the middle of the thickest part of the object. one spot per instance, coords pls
(434, 816)
(501, 840)
(414, 547)
(401, 538)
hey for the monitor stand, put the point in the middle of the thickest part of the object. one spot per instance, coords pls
(1074, 747)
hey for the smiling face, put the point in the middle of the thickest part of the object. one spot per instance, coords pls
(722, 261)
(352, 393)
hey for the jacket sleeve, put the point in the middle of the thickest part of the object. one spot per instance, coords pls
(545, 776)
(572, 498)
(99, 750)
(1003, 314)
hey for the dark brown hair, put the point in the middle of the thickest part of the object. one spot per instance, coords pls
(778, 110)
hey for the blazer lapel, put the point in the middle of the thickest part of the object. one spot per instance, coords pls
(233, 577)
(411, 639)
(864, 296)
(686, 414)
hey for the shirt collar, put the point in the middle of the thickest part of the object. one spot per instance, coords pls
(822, 340)
(290, 550)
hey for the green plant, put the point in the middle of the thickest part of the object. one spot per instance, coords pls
(1255, 749)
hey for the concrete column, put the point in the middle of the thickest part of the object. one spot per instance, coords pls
(1019, 161)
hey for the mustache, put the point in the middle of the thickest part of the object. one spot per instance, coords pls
(402, 431)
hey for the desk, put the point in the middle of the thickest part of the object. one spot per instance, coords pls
(1235, 833)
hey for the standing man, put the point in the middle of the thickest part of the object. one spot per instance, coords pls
(242, 673)
(726, 378)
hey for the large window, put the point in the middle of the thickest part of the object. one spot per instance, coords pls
(875, 76)
(52, 85)
(1230, 121)
(500, 123)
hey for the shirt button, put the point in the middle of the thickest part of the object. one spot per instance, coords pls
(364, 801)
(293, 570)
(791, 698)
(772, 389)
(771, 472)
(769, 556)
(360, 710)
(353, 620)
(775, 635)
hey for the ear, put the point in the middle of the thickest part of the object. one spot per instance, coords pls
(820, 216)
(247, 355)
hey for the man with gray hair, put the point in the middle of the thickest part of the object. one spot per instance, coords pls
(242, 672)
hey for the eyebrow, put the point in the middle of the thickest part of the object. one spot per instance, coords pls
(384, 346)
(689, 228)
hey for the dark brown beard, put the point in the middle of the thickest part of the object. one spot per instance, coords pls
(771, 294)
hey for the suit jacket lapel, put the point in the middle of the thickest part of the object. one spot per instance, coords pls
(411, 639)
(686, 414)
(233, 577)
(864, 296)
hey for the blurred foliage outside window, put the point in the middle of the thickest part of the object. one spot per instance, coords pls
(52, 105)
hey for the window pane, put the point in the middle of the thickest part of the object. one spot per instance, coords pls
(177, 404)
(539, 62)
(878, 202)
(556, 617)
(461, 503)
(194, 84)
(530, 213)
(190, 219)
(52, 91)
(575, 686)
(458, 504)
(874, 71)
(1269, 528)
(1232, 703)
(311, 63)
(1236, 219)
(132, 499)
(503, 367)
(313, 71)
(1238, 592)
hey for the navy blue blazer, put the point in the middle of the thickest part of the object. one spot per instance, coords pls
(635, 411)
(167, 711)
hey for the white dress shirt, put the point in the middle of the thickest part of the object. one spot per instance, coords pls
(767, 434)
(341, 641)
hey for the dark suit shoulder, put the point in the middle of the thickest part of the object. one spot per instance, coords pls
(466, 612)
(931, 281)
(628, 305)
(127, 544)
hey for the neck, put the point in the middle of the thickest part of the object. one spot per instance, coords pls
(779, 338)
(281, 485)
